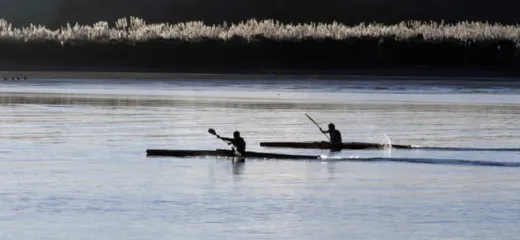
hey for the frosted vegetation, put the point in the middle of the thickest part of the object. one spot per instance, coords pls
(135, 29)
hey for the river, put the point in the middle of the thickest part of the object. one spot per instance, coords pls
(74, 165)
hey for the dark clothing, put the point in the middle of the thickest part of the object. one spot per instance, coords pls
(239, 144)
(336, 143)
(335, 136)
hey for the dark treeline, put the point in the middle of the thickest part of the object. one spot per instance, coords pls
(259, 56)
(56, 13)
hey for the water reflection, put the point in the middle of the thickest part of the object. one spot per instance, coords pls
(243, 102)
(129, 100)
(331, 166)
(238, 168)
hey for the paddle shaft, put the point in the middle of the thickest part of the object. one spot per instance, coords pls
(232, 145)
(317, 125)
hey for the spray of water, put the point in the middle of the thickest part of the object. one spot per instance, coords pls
(387, 145)
(387, 141)
(377, 135)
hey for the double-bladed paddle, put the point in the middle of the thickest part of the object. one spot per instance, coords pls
(212, 132)
(316, 125)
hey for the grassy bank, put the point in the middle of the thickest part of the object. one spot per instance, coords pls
(258, 46)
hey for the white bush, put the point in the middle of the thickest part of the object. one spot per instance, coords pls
(135, 29)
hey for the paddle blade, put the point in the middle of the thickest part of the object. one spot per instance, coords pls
(212, 131)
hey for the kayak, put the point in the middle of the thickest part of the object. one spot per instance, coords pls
(326, 145)
(224, 153)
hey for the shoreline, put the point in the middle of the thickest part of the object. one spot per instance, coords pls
(397, 73)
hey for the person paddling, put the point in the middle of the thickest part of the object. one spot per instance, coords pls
(237, 141)
(335, 137)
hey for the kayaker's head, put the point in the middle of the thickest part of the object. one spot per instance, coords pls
(236, 134)
(331, 126)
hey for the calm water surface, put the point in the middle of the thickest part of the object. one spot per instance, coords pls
(73, 162)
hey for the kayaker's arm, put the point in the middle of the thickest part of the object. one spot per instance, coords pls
(229, 140)
(225, 139)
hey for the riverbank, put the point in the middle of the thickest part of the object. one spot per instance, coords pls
(266, 48)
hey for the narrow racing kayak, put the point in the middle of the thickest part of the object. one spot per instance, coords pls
(326, 145)
(225, 153)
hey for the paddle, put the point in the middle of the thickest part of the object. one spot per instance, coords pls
(317, 125)
(212, 132)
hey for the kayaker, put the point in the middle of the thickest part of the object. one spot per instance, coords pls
(237, 141)
(335, 137)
